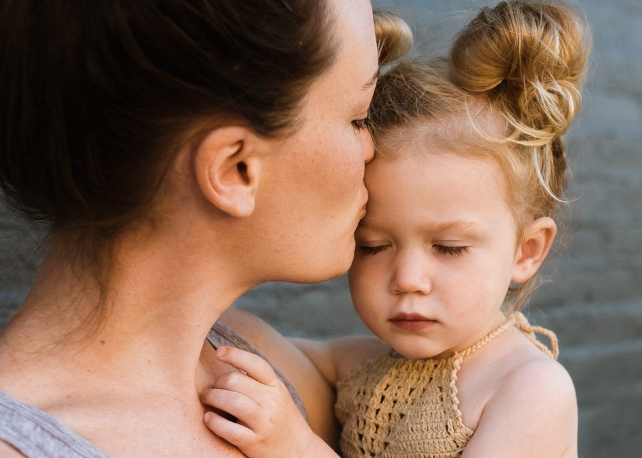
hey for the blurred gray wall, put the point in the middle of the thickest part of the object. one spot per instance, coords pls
(594, 302)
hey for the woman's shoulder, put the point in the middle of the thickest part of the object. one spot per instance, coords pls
(35, 432)
(274, 346)
(316, 393)
(252, 328)
(7, 451)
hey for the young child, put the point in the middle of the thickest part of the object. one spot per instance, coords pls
(469, 170)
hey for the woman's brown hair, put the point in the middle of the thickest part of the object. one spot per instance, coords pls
(94, 96)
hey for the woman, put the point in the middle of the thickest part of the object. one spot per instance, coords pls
(182, 152)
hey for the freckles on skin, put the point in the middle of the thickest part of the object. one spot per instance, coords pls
(336, 179)
(311, 192)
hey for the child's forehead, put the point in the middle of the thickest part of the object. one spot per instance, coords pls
(468, 226)
(428, 143)
(439, 193)
(470, 130)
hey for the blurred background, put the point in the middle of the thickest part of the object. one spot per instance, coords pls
(594, 299)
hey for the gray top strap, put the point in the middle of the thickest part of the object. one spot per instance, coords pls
(37, 434)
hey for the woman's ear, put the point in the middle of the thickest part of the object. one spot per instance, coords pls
(227, 169)
(536, 242)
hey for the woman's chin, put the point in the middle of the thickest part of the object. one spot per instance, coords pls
(326, 269)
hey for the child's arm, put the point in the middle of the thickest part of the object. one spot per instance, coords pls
(533, 414)
(337, 357)
(268, 422)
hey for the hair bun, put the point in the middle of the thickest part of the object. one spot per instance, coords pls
(394, 37)
(531, 58)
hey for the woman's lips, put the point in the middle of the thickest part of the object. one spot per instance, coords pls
(412, 321)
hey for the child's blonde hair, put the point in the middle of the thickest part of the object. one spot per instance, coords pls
(508, 89)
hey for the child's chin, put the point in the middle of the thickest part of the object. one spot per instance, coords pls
(410, 354)
(417, 352)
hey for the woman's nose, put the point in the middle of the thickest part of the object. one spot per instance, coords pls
(410, 274)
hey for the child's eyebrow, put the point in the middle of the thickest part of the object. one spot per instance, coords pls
(467, 227)
(470, 228)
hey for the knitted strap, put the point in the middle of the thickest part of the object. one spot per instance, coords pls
(529, 331)
(497, 331)
(519, 320)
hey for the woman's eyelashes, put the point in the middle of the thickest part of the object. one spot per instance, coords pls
(361, 124)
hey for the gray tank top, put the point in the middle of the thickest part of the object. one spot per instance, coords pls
(38, 435)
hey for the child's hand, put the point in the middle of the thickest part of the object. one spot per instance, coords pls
(269, 423)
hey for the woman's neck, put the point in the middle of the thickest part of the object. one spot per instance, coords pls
(161, 300)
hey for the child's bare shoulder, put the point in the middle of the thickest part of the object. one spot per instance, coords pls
(536, 390)
(335, 358)
(357, 351)
(531, 396)
(533, 373)
(510, 370)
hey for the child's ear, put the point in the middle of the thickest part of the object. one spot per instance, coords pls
(227, 169)
(536, 242)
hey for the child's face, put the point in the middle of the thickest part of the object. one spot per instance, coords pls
(435, 253)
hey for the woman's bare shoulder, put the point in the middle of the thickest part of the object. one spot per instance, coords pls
(346, 353)
(251, 327)
(278, 349)
(316, 393)
(7, 451)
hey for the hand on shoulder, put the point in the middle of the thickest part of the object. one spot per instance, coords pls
(265, 422)
(316, 393)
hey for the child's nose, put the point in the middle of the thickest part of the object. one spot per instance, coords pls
(410, 274)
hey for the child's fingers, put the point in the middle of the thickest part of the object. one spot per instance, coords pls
(253, 365)
(241, 383)
(235, 404)
(234, 433)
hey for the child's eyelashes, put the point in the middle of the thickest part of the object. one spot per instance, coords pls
(371, 250)
(441, 249)
(451, 250)
(361, 124)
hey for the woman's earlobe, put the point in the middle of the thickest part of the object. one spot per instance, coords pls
(227, 170)
(536, 243)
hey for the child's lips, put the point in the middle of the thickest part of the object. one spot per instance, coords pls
(412, 321)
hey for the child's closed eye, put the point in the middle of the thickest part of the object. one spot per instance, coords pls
(371, 250)
(451, 250)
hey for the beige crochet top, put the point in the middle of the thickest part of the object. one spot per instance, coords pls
(396, 407)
